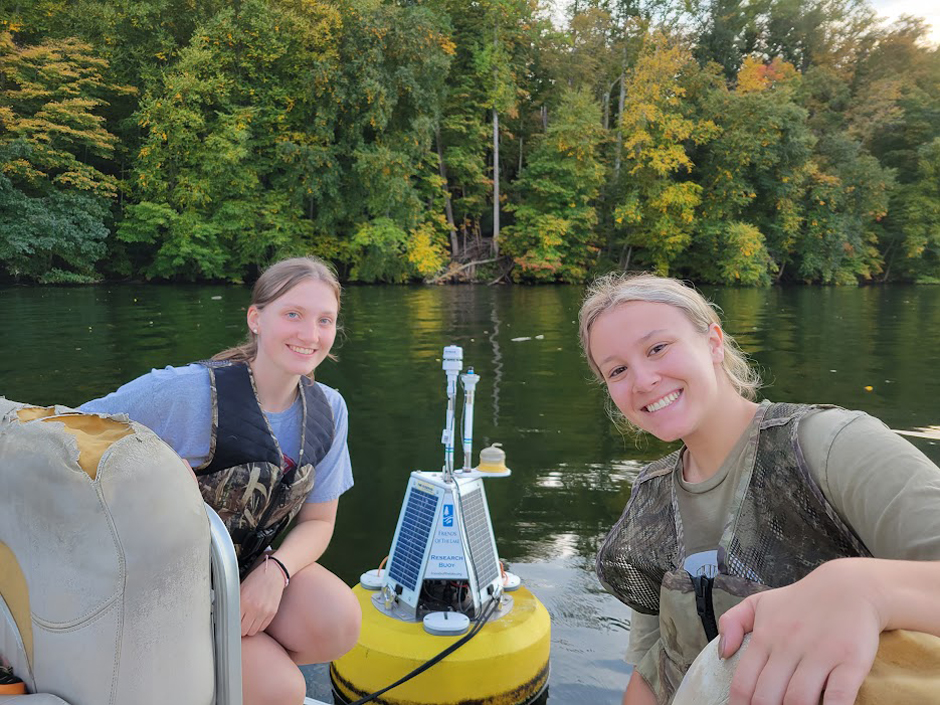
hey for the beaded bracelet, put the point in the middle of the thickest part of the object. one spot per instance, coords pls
(280, 565)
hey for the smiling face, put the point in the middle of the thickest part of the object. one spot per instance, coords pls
(295, 331)
(663, 375)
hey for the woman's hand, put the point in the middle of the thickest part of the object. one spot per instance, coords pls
(818, 636)
(262, 590)
(261, 593)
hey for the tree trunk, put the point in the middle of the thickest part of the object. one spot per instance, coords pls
(625, 256)
(448, 206)
(495, 183)
(607, 103)
(889, 260)
(623, 73)
(495, 143)
(520, 158)
(619, 129)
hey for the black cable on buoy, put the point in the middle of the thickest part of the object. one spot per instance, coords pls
(484, 616)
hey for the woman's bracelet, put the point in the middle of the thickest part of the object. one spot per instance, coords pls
(280, 565)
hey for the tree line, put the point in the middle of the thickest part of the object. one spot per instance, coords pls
(739, 142)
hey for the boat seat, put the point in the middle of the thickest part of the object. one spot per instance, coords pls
(105, 592)
(906, 670)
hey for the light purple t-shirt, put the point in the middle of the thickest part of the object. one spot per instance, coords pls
(176, 404)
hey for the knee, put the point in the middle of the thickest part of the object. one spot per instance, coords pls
(321, 619)
(291, 688)
(342, 633)
(349, 626)
(269, 677)
(278, 686)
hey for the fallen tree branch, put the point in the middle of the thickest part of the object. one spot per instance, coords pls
(452, 272)
(504, 275)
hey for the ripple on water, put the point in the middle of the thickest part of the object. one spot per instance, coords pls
(590, 629)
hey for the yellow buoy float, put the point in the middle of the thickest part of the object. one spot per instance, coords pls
(507, 663)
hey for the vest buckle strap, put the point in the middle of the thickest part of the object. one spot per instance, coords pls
(704, 605)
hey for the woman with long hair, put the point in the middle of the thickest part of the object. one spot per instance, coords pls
(268, 447)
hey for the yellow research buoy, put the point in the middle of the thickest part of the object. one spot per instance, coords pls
(506, 663)
(445, 624)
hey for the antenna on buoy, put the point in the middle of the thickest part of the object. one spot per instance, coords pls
(452, 364)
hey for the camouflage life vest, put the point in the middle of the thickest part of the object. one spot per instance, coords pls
(246, 479)
(780, 527)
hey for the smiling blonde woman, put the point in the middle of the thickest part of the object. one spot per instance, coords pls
(808, 521)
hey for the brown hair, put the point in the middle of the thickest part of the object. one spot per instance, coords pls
(614, 289)
(275, 281)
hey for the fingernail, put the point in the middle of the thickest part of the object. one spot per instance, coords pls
(721, 647)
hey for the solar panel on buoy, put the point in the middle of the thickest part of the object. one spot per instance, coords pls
(480, 537)
(412, 538)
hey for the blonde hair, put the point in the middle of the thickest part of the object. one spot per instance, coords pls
(615, 289)
(274, 282)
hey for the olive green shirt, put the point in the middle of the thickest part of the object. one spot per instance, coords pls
(881, 486)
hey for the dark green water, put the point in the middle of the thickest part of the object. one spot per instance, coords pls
(571, 470)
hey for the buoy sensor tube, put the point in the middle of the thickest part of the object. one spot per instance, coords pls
(469, 381)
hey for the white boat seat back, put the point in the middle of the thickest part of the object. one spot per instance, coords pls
(104, 562)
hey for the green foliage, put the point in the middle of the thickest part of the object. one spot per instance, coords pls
(491, 62)
(847, 191)
(31, 21)
(753, 172)
(657, 209)
(726, 27)
(56, 238)
(732, 253)
(270, 136)
(382, 251)
(53, 198)
(49, 96)
(841, 212)
(814, 32)
(553, 238)
(918, 216)
(776, 141)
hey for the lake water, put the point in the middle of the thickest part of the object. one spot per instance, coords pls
(571, 470)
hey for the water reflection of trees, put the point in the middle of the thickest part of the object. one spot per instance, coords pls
(67, 345)
(828, 345)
